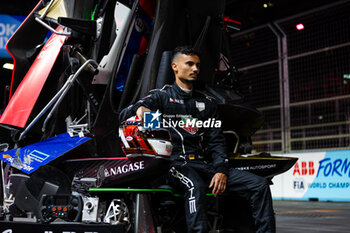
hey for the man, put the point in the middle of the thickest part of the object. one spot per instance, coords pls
(194, 173)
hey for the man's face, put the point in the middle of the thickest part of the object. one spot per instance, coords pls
(186, 67)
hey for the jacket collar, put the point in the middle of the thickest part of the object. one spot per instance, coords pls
(181, 93)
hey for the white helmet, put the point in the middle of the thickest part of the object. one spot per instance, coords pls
(137, 141)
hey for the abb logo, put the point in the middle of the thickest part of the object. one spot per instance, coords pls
(306, 168)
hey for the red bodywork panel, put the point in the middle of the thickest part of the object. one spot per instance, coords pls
(22, 102)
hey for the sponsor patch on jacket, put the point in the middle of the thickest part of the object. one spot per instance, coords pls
(190, 125)
(176, 101)
(200, 106)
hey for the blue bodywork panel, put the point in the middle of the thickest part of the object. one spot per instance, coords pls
(31, 157)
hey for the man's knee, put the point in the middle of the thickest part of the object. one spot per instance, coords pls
(197, 189)
(257, 183)
(264, 183)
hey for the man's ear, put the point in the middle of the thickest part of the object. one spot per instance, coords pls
(174, 66)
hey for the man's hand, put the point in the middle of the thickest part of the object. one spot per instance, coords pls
(218, 182)
(140, 110)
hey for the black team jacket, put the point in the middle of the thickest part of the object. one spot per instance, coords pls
(200, 125)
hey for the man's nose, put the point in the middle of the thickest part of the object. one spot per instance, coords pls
(195, 69)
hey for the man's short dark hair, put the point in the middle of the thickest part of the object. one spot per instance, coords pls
(187, 50)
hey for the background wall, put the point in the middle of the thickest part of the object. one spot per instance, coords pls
(299, 79)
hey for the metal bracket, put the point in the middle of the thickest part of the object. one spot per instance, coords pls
(74, 128)
(57, 98)
(52, 29)
(41, 21)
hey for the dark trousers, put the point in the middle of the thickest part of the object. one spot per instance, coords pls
(194, 178)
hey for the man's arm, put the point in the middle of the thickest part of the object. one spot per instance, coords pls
(150, 102)
(140, 111)
(217, 148)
